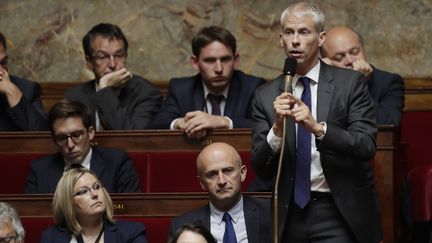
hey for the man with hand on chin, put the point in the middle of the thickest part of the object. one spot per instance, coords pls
(20, 104)
(118, 99)
(344, 48)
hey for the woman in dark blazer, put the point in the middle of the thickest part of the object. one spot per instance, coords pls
(83, 212)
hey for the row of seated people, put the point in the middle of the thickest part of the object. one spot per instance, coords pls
(346, 146)
(83, 210)
(219, 96)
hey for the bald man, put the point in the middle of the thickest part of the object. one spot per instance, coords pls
(221, 172)
(344, 48)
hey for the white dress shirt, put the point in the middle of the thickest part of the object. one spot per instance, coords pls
(208, 107)
(318, 181)
(217, 225)
(85, 163)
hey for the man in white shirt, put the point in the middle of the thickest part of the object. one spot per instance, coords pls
(324, 192)
(73, 132)
(220, 172)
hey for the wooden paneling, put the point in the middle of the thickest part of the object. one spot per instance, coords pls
(125, 205)
(418, 93)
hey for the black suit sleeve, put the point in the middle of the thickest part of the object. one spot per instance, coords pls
(391, 103)
(351, 129)
(28, 114)
(31, 185)
(115, 114)
(264, 159)
(127, 179)
(170, 110)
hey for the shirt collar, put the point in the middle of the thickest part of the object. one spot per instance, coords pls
(85, 163)
(313, 74)
(224, 92)
(235, 212)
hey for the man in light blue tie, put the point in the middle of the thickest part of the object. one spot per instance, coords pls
(230, 217)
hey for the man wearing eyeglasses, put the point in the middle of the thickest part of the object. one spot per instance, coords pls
(20, 104)
(72, 131)
(118, 99)
(11, 229)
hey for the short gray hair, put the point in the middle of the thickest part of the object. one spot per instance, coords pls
(8, 214)
(305, 8)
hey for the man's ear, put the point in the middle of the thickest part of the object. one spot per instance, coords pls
(322, 37)
(89, 62)
(194, 61)
(236, 59)
(243, 173)
(91, 132)
(281, 39)
(201, 183)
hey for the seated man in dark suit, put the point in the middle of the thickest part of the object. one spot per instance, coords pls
(118, 99)
(71, 128)
(20, 105)
(217, 97)
(344, 48)
(228, 214)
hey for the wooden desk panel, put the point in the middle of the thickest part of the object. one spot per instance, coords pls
(125, 205)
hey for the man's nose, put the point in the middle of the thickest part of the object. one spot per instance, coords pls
(221, 178)
(112, 63)
(295, 40)
(70, 143)
(348, 61)
(218, 67)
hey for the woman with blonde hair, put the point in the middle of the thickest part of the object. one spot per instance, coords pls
(83, 213)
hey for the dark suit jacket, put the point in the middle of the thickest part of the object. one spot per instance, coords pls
(257, 218)
(345, 104)
(187, 94)
(131, 107)
(119, 232)
(28, 114)
(113, 167)
(387, 90)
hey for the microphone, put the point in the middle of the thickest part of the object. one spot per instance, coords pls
(289, 69)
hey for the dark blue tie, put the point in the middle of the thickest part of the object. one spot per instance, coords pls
(302, 179)
(215, 101)
(229, 235)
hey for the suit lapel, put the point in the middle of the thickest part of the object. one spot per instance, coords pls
(232, 99)
(109, 235)
(325, 93)
(198, 95)
(97, 165)
(252, 219)
(57, 173)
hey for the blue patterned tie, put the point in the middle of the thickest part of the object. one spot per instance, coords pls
(302, 179)
(229, 235)
(215, 101)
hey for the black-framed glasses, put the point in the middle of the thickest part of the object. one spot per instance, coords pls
(8, 238)
(103, 58)
(85, 190)
(4, 61)
(76, 136)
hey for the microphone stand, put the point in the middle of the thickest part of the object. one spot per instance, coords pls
(287, 88)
